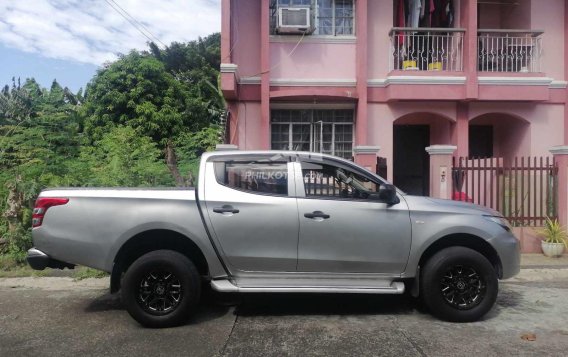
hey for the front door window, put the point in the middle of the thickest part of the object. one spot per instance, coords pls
(327, 181)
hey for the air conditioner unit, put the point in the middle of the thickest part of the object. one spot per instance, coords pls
(294, 20)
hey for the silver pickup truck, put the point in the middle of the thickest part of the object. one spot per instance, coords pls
(277, 222)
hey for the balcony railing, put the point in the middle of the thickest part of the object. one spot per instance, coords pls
(426, 49)
(509, 51)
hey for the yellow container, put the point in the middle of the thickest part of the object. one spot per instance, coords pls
(435, 66)
(409, 65)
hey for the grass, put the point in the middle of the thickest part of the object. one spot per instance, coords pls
(23, 271)
(81, 273)
(13, 268)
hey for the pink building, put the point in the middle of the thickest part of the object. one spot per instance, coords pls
(393, 78)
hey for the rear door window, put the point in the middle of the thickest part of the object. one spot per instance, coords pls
(268, 178)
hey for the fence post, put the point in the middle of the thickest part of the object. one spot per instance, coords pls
(561, 158)
(366, 156)
(441, 170)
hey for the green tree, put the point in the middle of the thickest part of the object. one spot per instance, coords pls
(162, 94)
(136, 118)
(39, 134)
(123, 158)
(137, 91)
(196, 64)
(191, 145)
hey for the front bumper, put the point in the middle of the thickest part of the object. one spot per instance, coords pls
(38, 260)
(509, 250)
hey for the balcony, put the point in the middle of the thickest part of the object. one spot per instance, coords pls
(426, 49)
(503, 50)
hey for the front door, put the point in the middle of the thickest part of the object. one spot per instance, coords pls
(411, 161)
(343, 226)
(253, 213)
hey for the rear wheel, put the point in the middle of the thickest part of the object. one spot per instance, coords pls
(458, 284)
(161, 288)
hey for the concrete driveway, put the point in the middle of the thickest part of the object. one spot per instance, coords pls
(56, 316)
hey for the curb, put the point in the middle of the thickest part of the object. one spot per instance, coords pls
(544, 266)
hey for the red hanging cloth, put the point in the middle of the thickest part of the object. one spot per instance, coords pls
(401, 18)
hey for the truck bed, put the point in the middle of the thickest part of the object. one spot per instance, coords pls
(96, 222)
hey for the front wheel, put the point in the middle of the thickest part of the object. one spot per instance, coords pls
(160, 288)
(459, 284)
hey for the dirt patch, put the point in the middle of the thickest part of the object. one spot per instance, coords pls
(51, 283)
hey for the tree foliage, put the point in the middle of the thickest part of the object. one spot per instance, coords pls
(105, 162)
(162, 94)
(39, 137)
(143, 120)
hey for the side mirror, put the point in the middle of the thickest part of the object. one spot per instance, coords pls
(387, 194)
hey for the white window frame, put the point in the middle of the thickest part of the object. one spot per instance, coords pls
(316, 22)
(313, 126)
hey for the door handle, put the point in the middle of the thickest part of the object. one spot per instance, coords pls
(225, 209)
(317, 214)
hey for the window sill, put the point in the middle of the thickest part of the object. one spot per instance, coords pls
(312, 39)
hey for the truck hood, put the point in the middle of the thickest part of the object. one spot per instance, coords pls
(419, 203)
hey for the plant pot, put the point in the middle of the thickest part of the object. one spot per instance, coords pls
(552, 249)
(435, 66)
(409, 65)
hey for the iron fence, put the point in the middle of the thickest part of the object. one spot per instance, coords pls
(426, 49)
(509, 51)
(524, 189)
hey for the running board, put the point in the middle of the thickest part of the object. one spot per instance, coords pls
(225, 286)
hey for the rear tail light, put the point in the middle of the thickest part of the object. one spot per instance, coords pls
(42, 205)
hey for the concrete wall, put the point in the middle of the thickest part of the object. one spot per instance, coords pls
(517, 15)
(322, 59)
(246, 36)
(541, 131)
(489, 16)
(380, 22)
(549, 15)
(249, 125)
(520, 129)
(312, 60)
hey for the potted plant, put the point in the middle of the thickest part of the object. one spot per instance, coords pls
(555, 239)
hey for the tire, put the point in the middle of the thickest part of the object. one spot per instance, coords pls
(458, 284)
(161, 288)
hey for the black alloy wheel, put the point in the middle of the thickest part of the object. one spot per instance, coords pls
(462, 287)
(161, 288)
(458, 284)
(160, 292)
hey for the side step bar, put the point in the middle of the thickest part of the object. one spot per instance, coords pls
(225, 286)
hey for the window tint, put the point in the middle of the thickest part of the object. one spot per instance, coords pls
(265, 178)
(324, 181)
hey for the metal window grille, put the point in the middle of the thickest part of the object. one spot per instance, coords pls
(332, 17)
(329, 131)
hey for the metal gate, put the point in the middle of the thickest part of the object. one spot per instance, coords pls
(524, 190)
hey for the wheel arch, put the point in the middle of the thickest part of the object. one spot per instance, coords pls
(151, 240)
(471, 241)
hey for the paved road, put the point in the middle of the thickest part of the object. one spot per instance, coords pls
(55, 316)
